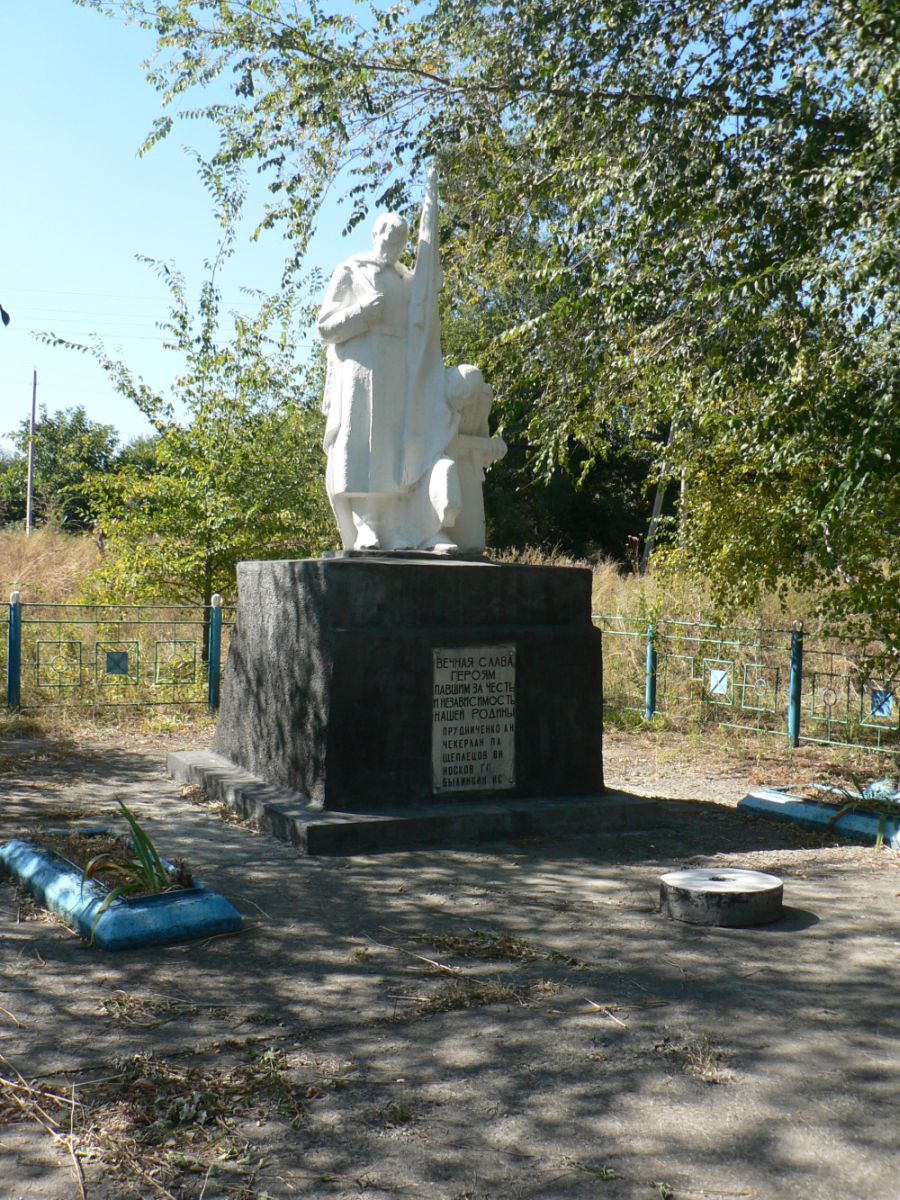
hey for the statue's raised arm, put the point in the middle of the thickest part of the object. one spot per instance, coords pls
(429, 419)
(427, 276)
(391, 431)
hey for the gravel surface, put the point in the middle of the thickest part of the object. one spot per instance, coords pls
(504, 1022)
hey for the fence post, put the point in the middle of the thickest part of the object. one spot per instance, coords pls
(214, 663)
(650, 676)
(14, 653)
(795, 685)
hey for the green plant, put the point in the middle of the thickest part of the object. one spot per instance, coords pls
(239, 475)
(399, 1113)
(880, 797)
(603, 1173)
(144, 874)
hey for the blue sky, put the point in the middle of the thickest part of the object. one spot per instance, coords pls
(78, 205)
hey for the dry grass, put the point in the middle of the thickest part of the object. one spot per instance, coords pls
(459, 992)
(697, 1057)
(491, 946)
(618, 591)
(70, 725)
(48, 567)
(665, 596)
(147, 1012)
(28, 909)
(51, 567)
(157, 1123)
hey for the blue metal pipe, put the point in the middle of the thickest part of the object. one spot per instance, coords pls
(215, 652)
(795, 685)
(650, 676)
(14, 654)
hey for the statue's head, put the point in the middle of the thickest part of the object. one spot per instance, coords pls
(390, 234)
(464, 384)
(471, 397)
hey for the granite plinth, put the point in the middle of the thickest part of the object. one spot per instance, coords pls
(329, 691)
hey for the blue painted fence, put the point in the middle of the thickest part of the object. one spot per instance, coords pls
(113, 655)
(806, 688)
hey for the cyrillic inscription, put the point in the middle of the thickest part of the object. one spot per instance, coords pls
(474, 719)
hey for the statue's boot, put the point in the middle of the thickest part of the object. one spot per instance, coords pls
(366, 530)
(441, 543)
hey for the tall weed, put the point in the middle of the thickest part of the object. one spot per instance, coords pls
(664, 594)
(48, 567)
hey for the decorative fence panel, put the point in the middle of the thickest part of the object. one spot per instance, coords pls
(809, 689)
(113, 655)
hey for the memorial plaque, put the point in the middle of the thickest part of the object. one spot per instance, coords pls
(474, 719)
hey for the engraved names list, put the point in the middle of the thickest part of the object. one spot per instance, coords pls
(474, 718)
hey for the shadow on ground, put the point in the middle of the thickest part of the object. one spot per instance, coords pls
(459, 1024)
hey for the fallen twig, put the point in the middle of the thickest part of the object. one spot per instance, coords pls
(605, 1010)
(215, 937)
(438, 966)
(49, 1124)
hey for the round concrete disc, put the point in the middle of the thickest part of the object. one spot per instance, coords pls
(728, 897)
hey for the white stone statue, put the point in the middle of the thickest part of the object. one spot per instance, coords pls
(407, 441)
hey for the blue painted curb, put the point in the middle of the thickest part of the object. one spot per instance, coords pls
(193, 912)
(811, 814)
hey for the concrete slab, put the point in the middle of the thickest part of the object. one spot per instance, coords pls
(813, 814)
(294, 818)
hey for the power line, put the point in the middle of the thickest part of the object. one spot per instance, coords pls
(88, 333)
(81, 313)
(64, 292)
(96, 295)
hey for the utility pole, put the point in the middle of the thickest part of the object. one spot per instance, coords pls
(29, 494)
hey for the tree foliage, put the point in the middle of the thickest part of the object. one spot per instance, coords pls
(235, 470)
(677, 222)
(69, 448)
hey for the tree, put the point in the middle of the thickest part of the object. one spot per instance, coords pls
(697, 201)
(140, 452)
(590, 508)
(241, 476)
(69, 449)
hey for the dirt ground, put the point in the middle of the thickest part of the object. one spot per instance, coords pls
(500, 1023)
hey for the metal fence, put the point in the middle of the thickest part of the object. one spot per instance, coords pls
(108, 655)
(810, 689)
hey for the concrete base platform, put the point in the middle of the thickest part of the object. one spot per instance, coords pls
(292, 817)
(860, 826)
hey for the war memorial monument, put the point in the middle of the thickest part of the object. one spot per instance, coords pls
(405, 690)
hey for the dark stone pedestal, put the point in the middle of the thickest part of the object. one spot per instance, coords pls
(385, 684)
